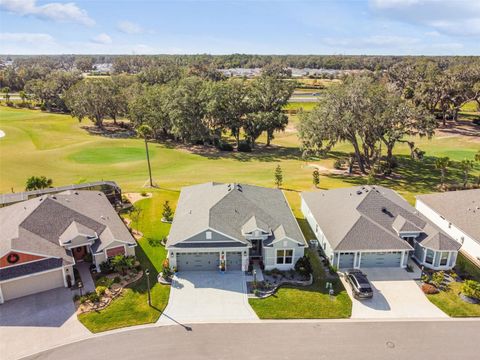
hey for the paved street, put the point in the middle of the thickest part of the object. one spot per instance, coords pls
(337, 340)
(198, 296)
(395, 295)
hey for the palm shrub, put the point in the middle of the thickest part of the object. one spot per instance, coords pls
(121, 263)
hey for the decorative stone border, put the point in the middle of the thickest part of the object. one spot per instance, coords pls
(265, 294)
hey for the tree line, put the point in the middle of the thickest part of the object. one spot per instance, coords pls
(382, 109)
(25, 68)
(185, 106)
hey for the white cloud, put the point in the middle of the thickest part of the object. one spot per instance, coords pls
(458, 18)
(32, 38)
(59, 12)
(129, 27)
(102, 39)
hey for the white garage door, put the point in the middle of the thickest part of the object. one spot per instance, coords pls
(234, 261)
(346, 260)
(381, 259)
(32, 284)
(198, 261)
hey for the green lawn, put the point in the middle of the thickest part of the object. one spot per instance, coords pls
(132, 308)
(310, 302)
(449, 301)
(451, 304)
(55, 145)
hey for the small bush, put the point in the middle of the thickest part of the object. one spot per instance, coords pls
(117, 279)
(225, 146)
(76, 297)
(429, 289)
(338, 164)
(105, 267)
(93, 297)
(83, 299)
(244, 146)
(303, 266)
(143, 193)
(471, 288)
(100, 290)
(104, 281)
(437, 278)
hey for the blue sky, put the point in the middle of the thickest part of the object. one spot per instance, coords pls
(403, 27)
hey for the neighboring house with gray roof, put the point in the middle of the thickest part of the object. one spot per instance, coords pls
(42, 239)
(232, 225)
(372, 226)
(457, 213)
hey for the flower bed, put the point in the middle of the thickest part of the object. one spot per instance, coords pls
(108, 288)
(265, 289)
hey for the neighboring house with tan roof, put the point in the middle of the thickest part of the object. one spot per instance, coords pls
(42, 239)
(232, 225)
(458, 214)
(372, 226)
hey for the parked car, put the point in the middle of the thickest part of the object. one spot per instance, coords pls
(361, 287)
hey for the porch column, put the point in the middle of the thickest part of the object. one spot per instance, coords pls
(359, 259)
(338, 260)
(1, 296)
(355, 259)
(402, 259)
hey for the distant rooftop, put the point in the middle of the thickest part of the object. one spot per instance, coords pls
(7, 199)
(461, 208)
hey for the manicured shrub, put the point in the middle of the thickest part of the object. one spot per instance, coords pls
(303, 266)
(244, 146)
(105, 267)
(76, 297)
(117, 279)
(100, 290)
(429, 289)
(104, 281)
(471, 288)
(143, 193)
(225, 146)
(93, 297)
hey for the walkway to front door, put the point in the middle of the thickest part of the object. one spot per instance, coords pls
(207, 296)
(87, 281)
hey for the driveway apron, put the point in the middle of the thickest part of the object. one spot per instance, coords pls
(207, 296)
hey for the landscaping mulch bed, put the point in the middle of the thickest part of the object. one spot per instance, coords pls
(111, 293)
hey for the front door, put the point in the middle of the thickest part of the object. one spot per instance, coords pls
(79, 253)
(256, 249)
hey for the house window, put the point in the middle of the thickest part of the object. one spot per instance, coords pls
(430, 256)
(444, 259)
(284, 256)
(209, 235)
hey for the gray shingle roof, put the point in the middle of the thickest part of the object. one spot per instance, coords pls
(368, 217)
(40, 225)
(461, 208)
(400, 224)
(227, 208)
(30, 268)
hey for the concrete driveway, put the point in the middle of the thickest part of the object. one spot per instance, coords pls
(37, 322)
(207, 296)
(395, 295)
